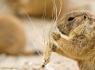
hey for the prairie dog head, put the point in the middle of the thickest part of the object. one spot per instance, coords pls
(72, 20)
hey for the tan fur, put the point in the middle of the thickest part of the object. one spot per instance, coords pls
(79, 26)
(43, 8)
(12, 35)
(38, 7)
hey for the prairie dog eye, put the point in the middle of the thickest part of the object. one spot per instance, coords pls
(70, 18)
(84, 17)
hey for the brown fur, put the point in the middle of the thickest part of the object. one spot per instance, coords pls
(12, 35)
(42, 8)
(38, 7)
(79, 26)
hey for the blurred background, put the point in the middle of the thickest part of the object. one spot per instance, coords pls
(24, 24)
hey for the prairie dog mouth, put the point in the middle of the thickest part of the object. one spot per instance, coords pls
(62, 34)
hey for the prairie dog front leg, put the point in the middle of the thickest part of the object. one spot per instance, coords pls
(47, 53)
(56, 48)
(52, 47)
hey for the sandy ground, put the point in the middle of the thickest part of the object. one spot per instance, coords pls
(34, 43)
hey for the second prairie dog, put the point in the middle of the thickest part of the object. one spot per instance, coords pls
(38, 7)
(79, 27)
(12, 35)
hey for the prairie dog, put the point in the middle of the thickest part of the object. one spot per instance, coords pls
(79, 27)
(38, 7)
(12, 35)
(51, 9)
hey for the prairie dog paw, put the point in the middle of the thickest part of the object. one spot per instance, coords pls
(55, 36)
